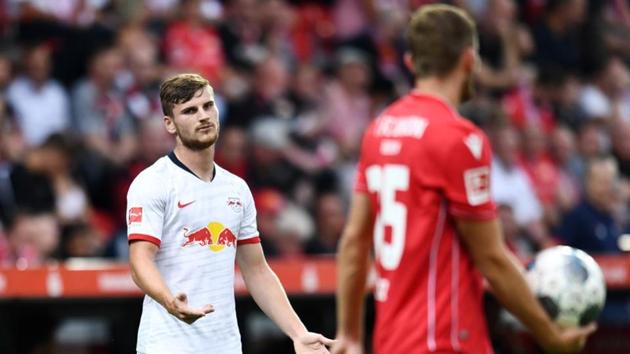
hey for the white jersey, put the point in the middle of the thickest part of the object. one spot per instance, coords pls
(197, 226)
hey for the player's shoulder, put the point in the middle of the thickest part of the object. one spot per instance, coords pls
(230, 178)
(152, 179)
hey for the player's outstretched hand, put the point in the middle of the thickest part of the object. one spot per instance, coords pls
(570, 340)
(346, 346)
(312, 343)
(179, 308)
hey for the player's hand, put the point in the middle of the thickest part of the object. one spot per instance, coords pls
(570, 340)
(312, 343)
(345, 345)
(179, 308)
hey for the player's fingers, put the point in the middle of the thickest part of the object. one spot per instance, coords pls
(326, 341)
(207, 309)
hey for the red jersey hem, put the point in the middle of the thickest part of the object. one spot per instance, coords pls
(255, 239)
(142, 237)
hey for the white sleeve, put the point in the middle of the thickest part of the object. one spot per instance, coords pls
(248, 232)
(146, 203)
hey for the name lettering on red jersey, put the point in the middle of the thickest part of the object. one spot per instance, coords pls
(401, 127)
(390, 147)
(135, 215)
(474, 144)
(477, 182)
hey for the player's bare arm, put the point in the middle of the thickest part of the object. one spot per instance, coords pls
(353, 261)
(484, 241)
(266, 289)
(148, 278)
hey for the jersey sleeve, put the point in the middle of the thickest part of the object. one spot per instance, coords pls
(248, 232)
(146, 203)
(360, 183)
(466, 168)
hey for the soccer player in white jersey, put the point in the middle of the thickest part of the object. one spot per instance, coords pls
(188, 221)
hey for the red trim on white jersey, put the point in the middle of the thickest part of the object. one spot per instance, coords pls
(455, 295)
(435, 248)
(142, 237)
(255, 239)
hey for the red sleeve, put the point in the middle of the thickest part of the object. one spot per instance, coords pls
(467, 176)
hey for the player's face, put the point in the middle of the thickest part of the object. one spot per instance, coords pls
(195, 122)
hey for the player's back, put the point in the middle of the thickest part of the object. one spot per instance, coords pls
(423, 165)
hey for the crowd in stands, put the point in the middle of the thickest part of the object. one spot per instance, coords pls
(296, 83)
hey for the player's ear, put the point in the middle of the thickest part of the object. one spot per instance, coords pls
(469, 60)
(408, 60)
(169, 124)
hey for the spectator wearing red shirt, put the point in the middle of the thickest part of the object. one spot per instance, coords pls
(193, 45)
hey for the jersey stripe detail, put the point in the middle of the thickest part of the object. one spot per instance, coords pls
(455, 294)
(142, 237)
(433, 258)
(255, 239)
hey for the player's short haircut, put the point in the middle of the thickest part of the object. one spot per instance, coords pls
(179, 89)
(436, 36)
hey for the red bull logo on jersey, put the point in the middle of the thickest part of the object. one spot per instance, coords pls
(215, 236)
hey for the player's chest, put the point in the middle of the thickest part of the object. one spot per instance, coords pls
(199, 205)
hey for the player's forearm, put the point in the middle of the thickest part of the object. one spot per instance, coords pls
(148, 278)
(266, 289)
(353, 265)
(509, 285)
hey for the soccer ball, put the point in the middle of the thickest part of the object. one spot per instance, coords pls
(569, 284)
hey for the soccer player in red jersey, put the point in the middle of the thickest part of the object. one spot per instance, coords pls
(422, 199)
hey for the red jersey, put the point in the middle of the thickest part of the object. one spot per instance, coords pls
(422, 165)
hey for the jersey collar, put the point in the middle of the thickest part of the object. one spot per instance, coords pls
(181, 165)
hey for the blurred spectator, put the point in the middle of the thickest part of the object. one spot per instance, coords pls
(502, 45)
(80, 240)
(351, 18)
(512, 187)
(269, 203)
(231, 152)
(541, 170)
(330, 214)
(99, 109)
(518, 242)
(40, 103)
(608, 97)
(564, 154)
(557, 35)
(269, 168)
(32, 238)
(268, 97)
(346, 111)
(142, 93)
(591, 226)
(54, 159)
(295, 227)
(592, 142)
(191, 44)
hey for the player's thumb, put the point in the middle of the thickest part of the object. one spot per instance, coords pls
(588, 330)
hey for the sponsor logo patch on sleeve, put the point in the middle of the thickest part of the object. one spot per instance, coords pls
(135, 215)
(477, 182)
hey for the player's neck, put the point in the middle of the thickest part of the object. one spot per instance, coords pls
(201, 162)
(448, 89)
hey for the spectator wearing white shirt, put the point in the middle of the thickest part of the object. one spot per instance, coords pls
(40, 103)
(511, 186)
